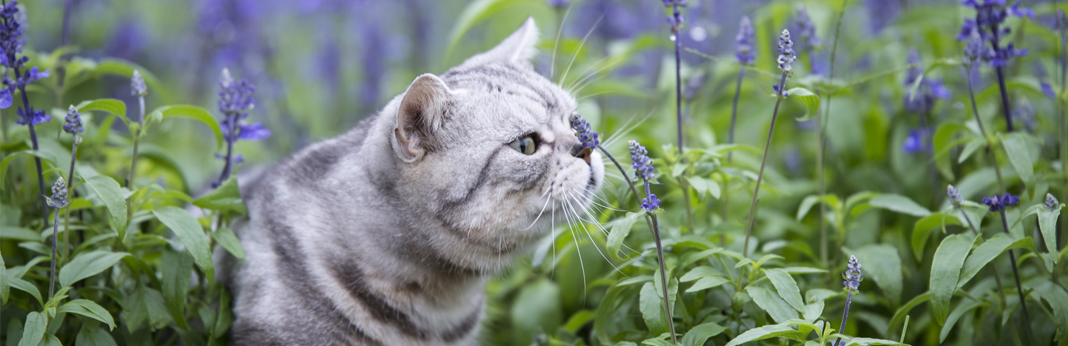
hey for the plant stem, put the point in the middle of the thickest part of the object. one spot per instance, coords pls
(997, 275)
(982, 129)
(232, 124)
(763, 162)
(678, 81)
(845, 316)
(821, 124)
(1063, 63)
(133, 159)
(55, 244)
(36, 161)
(630, 183)
(663, 276)
(734, 111)
(995, 41)
(70, 185)
(1016, 275)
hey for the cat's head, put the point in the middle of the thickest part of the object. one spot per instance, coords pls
(487, 150)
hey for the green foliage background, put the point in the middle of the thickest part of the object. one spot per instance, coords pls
(123, 273)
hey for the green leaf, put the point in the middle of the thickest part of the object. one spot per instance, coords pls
(943, 142)
(88, 309)
(620, 230)
(145, 304)
(700, 272)
(474, 13)
(900, 204)
(177, 268)
(831, 201)
(225, 237)
(708, 282)
(882, 264)
(986, 252)
(1057, 299)
(25, 286)
(809, 99)
(226, 197)
(187, 229)
(124, 69)
(93, 336)
(945, 270)
(5, 287)
(1047, 221)
(779, 309)
(652, 308)
(702, 185)
(34, 331)
(921, 231)
(870, 341)
(958, 312)
(899, 316)
(226, 317)
(766, 332)
(113, 106)
(188, 111)
(700, 333)
(786, 287)
(45, 158)
(812, 312)
(537, 308)
(1016, 151)
(109, 191)
(85, 265)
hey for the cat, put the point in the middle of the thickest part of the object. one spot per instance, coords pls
(385, 235)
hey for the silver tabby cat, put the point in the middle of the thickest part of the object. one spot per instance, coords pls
(385, 235)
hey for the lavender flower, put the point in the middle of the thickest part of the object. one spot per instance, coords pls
(588, 137)
(786, 53)
(806, 30)
(745, 38)
(58, 199)
(137, 85)
(676, 18)
(852, 275)
(235, 101)
(974, 50)
(882, 13)
(998, 203)
(929, 91)
(643, 169)
(73, 121)
(989, 16)
(1051, 202)
(916, 142)
(954, 195)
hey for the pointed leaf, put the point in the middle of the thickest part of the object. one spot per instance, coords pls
(766, 332)
(1020, 157)
(89, 309)
(787, 288)
(945, 270)
(900, 204)
(188, 230)
(34, 331)
(114, 199)
(85, 265)
(807, 98)
(226, 197)
(779, 309)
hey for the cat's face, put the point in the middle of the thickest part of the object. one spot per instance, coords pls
(487, 149)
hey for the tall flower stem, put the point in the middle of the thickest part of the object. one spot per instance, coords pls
(982, 129)
(678, 116)
(845, 317)
(730, 140)
(1063, 63)
(821, 125)
(1016, 275)
(55, 245)
(651, 220)
(133, 159)
(229, 150)
(1006, 108)
(70, 180)
(763, 162)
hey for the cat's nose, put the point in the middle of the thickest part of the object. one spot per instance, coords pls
(581, 151)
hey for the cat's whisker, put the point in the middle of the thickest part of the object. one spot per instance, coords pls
(556, 44)
(542, 209)
(570, 205)
(584, 97)
(585, 74)
(589, 79)
(552, 229)
(625, 129)
(594, 221)
(578, 248)
(578, 50)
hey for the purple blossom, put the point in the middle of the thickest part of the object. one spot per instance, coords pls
(989, 17)
(1048, 91)
(929, 91)
(676, 18)
(954, 195)
(916, 142)
(137, 85)
(639, 156)
(852, 275)
(881, 13)
(235, 101)
(806, 30)
(1051, 202)
(744, 40)
(33, 117)
(588, 137)
(998, 203)
(58, 199)
(786, 53)
(650, 204)
(73, 121)
(558, 3)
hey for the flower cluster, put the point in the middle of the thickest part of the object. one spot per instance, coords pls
(235, 101)
(989, 16)
(998, 203)
(916, 141)
(676, 18)
(852, 275)
(806, 30)
(745, 38)
(59, 195)
(643, 169)
(929, 91)
(1051, 202)
(73, 121)
(786, 52)
(558, 3)
(11, 41)
(588, 137)
(973, 52)
(954, 195)
(137, 85)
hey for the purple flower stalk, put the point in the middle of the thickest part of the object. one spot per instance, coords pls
(588, 137)
(58, 200)
(954, 195)
(235, 102)
(643, 169)
(806, 33)
(928, 92)
(998, 204)
(990, 15)
(73, 122)
(11, 41)
(745, 54)
(916, 142)
(676, 20)
(853, 277)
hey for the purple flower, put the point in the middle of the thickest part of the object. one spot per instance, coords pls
(1048, 91)
(650, 203)
(786, 53)
(852, 275)
(32, 117)
(676, 18)
(882, 13)
(1051, 202)
(639, 156)
(137, 85)
(59, 194)
(998, 203)
(806, 30)
(744, 40)
(916, 142)
(234, 98)
(989, 16)
(558, 3)
(930, 89)
(73, 121)
(954, 195)
(252, 132)
(974, 50)
(588, 137)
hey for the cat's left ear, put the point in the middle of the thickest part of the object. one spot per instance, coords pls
(518, 48)
(420, 115)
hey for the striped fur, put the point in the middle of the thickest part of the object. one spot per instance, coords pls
(384, 235)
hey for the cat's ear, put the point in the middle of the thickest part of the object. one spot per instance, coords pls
(518, 48)
(420, 115)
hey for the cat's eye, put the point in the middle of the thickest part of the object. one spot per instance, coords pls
(525, 145)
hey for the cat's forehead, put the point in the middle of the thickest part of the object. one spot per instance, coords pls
(515, 87)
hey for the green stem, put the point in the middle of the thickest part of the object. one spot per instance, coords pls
(55, 245)
(763, 162)
(70, 184)
(982, 129)
(1019, 287)
(133, 159)
(663, 279)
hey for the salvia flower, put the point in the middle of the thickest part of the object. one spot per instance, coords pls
(806, 30)
(745, 39)
(137, 85)
(588, 137)
(852, 275)
(786, 52)
(235, 101)
(59, 194)
(916, 141)
(1000, 202)
(32, 117)
(11, 41)
(954, 195)
(929, 90)
(676, 18)
(650, 204)
(1051, 202)
(989, 16)
(974, 50)
(73, 121)
(639, 156)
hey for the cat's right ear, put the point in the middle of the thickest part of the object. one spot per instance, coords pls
(420, 115)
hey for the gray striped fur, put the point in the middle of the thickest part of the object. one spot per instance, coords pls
(384, 235)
